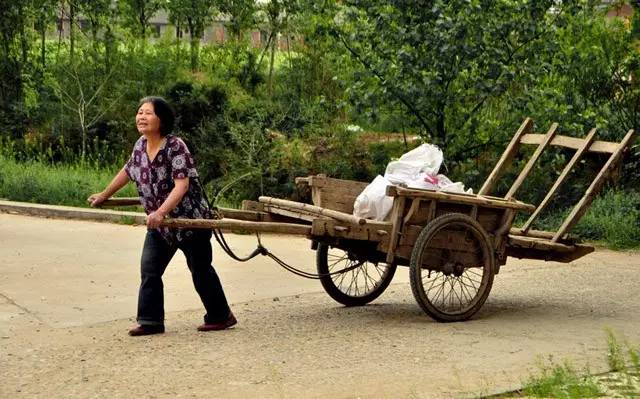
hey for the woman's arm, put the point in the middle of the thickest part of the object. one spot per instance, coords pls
(175, 196)
(120, 180)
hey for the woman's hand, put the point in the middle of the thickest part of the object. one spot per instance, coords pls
(154, 219)
(97, 199)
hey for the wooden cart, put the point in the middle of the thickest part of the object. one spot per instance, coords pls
(453, 244)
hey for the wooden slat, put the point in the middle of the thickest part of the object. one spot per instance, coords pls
(396, 219)
(239, 214)
(337, 229)
(571, 142)
(594, 188)
(290, 213)
(248, 205)
(532, 248)
(506, 158)
(415, 206)
(537, 243)
(534, 158)
(491, 202)
(311, 209)
(335, 194)
(532, 233)
(565, 173)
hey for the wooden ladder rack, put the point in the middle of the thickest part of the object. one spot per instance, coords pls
(524, 135)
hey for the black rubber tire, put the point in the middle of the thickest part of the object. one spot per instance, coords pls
(424, 295)
(334, 286)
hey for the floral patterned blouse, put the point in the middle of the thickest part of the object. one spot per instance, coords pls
(154, 181)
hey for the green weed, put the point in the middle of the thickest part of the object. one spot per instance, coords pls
(615, 355)
(561, 381)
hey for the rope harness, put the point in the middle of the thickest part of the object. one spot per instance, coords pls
(261, 250)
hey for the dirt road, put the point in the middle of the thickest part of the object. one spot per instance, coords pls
(68, 294)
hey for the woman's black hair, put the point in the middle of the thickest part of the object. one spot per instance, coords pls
(163, 111)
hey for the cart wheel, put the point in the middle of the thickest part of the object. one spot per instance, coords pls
(452, 267)
(357, 286)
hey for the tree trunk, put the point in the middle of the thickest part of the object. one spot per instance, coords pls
(83, 128)
(178, 47)
(24, 43)
(142, 18)
(43, 50)
(271, 64)
(72, 12)
(108, 49)
(194, 53)
(441, 130)
(194, 41)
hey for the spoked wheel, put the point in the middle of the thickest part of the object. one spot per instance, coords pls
(452, 267)
(363, 281)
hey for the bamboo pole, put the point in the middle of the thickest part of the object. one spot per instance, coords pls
(312, 209)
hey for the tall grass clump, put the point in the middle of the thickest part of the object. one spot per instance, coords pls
(43, 183)
(613, 218)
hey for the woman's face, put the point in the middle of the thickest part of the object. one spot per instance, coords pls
(147, 121)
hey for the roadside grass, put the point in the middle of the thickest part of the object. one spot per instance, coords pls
(613, 220)
(562, 380)
(43, 183)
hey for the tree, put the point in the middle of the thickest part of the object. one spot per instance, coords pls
(241, 13)
(44, 15)
(137, 14)
(444, 61)
(195, 15)
(97, 13)
(84, 100)
(276, 17)
(13, 50)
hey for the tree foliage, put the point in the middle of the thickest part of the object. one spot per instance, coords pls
(460, 73)
(443, 61)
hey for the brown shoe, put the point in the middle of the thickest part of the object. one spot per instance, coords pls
(146, 329)
(223, 325)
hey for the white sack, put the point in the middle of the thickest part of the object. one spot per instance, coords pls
(425, 158)
(373, 203)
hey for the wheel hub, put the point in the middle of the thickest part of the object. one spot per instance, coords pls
(455, 268)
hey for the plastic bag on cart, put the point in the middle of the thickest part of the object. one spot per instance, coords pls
(419, 168)
(373, 202)
(413, 165)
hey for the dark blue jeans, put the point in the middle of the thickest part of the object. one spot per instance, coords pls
(156, 255)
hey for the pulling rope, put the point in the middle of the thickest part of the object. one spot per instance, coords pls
(261, 250)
